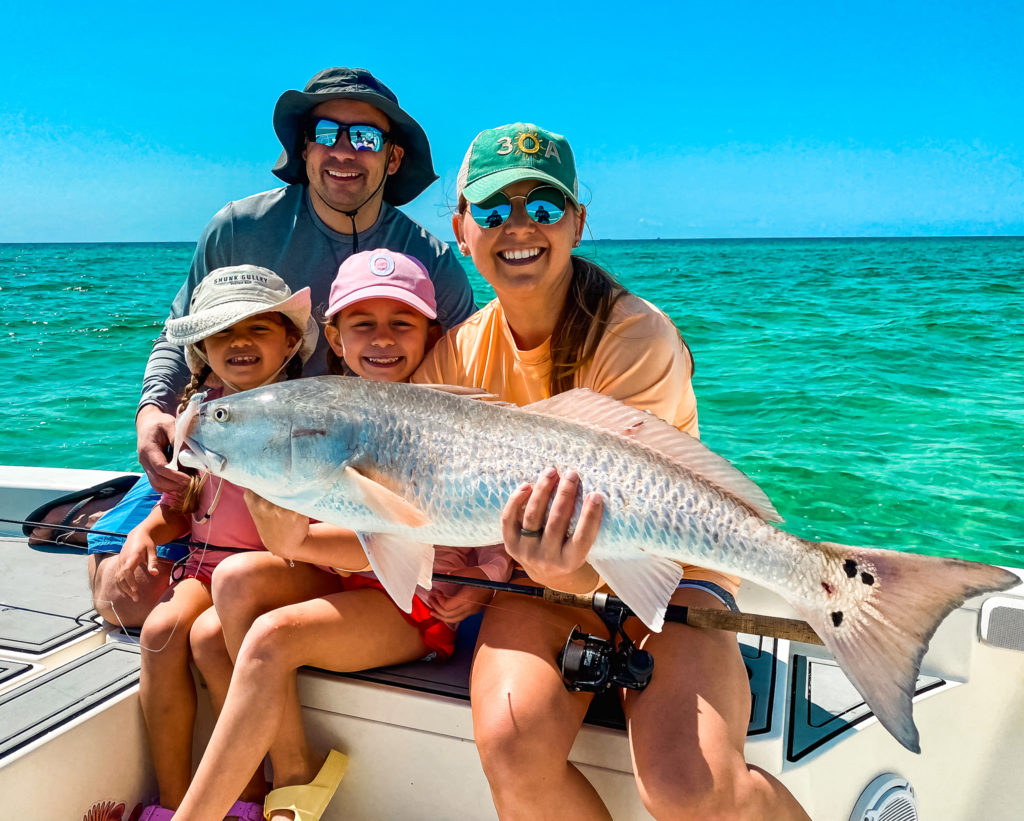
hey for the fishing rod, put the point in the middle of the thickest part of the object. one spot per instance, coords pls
(594, 664)
(706, 617)
(69, 529)
(588, 662)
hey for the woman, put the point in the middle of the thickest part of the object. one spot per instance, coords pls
(560, 322)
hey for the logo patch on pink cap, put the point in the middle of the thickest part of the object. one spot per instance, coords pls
(382, 263)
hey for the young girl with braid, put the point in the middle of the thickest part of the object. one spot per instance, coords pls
(245, 328)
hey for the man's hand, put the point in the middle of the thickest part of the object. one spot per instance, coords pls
(154, 432)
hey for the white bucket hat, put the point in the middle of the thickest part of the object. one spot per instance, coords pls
(229, 295)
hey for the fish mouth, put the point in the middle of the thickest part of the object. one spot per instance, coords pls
(187, 451)
(199, 458)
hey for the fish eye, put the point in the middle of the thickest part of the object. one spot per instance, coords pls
(221, 414)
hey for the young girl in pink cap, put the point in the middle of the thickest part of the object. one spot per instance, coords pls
(311, 601)
(245, 328)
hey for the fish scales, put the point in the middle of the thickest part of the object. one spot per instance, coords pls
(436, 468)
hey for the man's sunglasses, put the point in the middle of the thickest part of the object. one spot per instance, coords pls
(362, 137)
(544, 205)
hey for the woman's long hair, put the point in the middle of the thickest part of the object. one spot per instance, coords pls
(585, 317)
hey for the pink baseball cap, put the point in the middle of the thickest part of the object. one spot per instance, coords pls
(383, 273)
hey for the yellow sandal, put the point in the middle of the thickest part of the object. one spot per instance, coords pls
(308, 801)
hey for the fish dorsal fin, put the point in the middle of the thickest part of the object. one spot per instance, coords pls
(399, 564)
(466, 392)
(604, 413)
(386, 503)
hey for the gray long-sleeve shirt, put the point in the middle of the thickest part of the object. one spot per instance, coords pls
(279, 230)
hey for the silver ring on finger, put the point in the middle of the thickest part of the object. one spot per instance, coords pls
(530, 534)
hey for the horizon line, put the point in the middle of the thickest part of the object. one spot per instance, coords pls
(594, 241)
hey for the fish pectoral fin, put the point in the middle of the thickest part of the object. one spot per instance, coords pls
(386, 503)
(643, 581)
(604, 413)
(399, 564)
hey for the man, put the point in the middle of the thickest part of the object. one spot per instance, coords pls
(351, 155)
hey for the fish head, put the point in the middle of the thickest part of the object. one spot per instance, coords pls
(272, 440)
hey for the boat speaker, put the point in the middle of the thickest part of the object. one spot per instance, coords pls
(1001, 622)
(888, 798)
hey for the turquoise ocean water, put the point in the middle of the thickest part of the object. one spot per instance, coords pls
(873, 387)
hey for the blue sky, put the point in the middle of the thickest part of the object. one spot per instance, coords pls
(699, 120)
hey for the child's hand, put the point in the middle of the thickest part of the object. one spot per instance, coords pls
(139, 550)
(281, 530)
(454, 602)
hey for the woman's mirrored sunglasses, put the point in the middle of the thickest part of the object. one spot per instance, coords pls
(544, 205)
(362, 136)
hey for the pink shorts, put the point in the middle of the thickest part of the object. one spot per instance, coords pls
(200, 564)
(437, 635)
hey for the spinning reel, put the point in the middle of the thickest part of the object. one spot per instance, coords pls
(593, 664)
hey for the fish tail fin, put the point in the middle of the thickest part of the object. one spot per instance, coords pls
(881, 608)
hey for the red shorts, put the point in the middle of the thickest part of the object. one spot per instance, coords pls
(437, 635)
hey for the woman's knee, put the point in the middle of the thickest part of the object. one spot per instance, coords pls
(515, 745)
(694, 793)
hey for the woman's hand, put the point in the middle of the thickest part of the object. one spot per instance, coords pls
(139, 550)
(549, 552)
(282, 531)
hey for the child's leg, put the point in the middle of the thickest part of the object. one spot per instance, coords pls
(249, 584)
(210, 655)
(166, 690)
(345, 631)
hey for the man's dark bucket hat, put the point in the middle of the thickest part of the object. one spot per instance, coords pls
(415, 173)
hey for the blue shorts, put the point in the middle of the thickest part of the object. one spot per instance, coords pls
(716, 590)
(132, 509)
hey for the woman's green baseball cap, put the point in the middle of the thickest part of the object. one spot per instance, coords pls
(519, 151)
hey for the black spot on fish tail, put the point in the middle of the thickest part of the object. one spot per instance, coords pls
(867, 578)
(296, 434)
(850, 566)
(837, 618)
